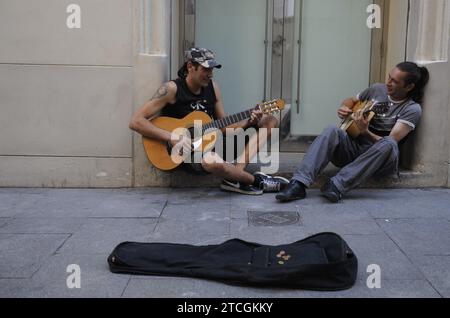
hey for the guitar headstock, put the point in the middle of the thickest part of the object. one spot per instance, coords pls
(272, 107)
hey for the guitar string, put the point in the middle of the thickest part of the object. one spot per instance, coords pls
(229, 120)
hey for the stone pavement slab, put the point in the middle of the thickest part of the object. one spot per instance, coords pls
(437, 270)
(270, 235)
(240, 205)
(3, 222)
(41, 225)
(100, 236)
(382, 251)
(169, 287)
(389, 289)
(200, 211)
(339, 218)
(130, 205)
(15, 201)
(126, 203)
(412, 203)
(22, 254)
(61, 203)
(419, 236)
(190, 231)
(42, 231)
(19, 288)
(187, 196)
(180, 287)
(51, 279)
(9, 203)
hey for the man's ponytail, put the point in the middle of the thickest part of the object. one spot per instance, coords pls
(183, 71)
(419, 76)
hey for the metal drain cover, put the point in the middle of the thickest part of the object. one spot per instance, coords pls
(264, 218)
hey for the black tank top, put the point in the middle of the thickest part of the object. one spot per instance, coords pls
(187, 102)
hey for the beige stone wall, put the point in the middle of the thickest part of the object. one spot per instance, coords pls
(151, 69)
(398, 25)
(66, 94)
(149, 72)
(432, 147)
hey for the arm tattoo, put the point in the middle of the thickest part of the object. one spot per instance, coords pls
(162, 92)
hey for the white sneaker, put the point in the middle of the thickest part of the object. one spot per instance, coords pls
(240, 188)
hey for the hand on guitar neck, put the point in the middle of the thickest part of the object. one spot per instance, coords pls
(361, 120)
(255, 118)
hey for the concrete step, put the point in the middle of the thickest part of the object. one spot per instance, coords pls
(287, 163)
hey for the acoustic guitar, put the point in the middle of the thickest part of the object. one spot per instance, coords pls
(202, 130)
(370, 109)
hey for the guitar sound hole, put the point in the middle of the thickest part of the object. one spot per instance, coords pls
(195, 133)
(169, 148)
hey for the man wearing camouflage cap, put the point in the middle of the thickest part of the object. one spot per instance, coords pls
(195, 90)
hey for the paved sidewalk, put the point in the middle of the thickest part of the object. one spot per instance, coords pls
(43, 231)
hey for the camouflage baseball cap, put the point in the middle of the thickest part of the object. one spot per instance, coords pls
(202, 56)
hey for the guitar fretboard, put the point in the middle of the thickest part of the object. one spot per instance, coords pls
(227, 121)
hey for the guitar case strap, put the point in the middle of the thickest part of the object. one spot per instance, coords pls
(321, 262)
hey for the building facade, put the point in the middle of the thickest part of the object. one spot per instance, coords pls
(73, 72)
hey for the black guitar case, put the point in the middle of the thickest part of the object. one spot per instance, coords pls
(321, 262)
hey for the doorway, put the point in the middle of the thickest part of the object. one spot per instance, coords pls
(311, 53)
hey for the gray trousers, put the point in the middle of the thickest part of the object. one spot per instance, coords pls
(359, 159)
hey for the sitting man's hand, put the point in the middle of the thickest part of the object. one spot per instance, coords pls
(361, 121)
(255, 118)
(344, 112)
(181, 144)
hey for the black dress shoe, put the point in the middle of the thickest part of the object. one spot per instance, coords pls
(330, 192)
(295, 190)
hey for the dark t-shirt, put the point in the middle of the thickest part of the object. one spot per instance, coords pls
(407, 112)
(187, 102)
